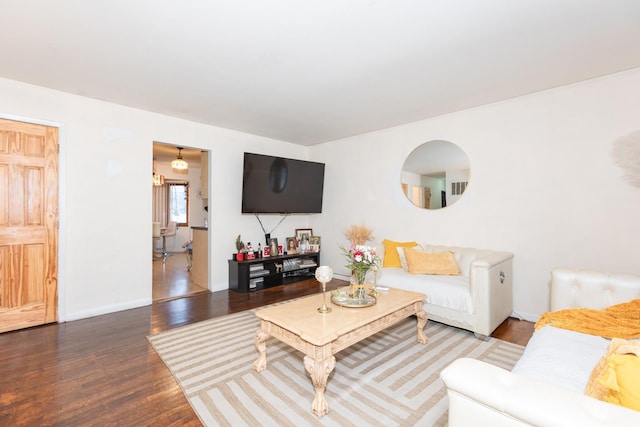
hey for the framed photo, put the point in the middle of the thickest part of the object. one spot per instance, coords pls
(314, 243)
(280, 250)
(273, 246)
(292, 245)
(303, 234)
(266, 251)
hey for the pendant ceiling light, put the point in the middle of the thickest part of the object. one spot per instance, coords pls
(178, 163)
(158, 180)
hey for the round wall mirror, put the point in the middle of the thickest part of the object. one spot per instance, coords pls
(435, 175)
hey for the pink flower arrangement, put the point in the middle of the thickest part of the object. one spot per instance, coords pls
(360, 259)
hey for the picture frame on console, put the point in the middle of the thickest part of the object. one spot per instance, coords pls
(303, 235)
(314, 243)
(292, 245)
(301, 232)
(273, 246)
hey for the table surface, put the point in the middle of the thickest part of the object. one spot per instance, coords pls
(302, 318)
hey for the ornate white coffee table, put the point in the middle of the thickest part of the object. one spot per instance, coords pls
(320, 336)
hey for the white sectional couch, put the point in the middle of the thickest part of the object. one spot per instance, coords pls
(478, 299)
(546, 387)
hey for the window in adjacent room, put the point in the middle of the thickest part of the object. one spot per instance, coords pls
(178, 202)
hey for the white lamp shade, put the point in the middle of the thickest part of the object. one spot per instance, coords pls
(324, 274)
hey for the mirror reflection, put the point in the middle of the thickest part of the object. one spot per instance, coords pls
(435, 175)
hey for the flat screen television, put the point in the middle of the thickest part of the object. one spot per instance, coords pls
(278, 185)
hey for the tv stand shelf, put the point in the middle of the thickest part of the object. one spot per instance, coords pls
(267, 272)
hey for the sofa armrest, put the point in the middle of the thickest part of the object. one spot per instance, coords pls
(491, 287)
(483, 394)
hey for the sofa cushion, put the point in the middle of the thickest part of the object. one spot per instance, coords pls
(561, 357)
(451, 292)
(622, 377)
(616, 376)
(464, 256)
(403, 258)
(391, 258)
(439, 263)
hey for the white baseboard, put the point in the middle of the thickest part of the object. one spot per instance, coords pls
(98, 311)
(529, 317)
(223, 286)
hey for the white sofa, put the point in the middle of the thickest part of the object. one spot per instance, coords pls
(546, 387)
(479, 299)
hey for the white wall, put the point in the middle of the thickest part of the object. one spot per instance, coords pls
(543, 184)
(106, 165)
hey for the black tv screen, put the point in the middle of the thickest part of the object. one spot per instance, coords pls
(279, 185)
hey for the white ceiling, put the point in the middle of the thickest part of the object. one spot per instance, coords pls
(316, 70)
(165, 153)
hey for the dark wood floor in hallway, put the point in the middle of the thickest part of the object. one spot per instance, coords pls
(102, 371)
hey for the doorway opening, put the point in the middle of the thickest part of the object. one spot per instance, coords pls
(179, 198)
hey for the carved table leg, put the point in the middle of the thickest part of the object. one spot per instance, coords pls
(422, 321)
(319, 371)
(260, 338)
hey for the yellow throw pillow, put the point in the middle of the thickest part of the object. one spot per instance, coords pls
(622, 377)
(442, 263)
(616, 376)
(391, 258)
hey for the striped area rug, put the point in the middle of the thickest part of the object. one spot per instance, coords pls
(387, 379)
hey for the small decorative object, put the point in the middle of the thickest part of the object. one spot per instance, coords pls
(278, 267)
(250, 254)
(324, 274)
(266, 251)
(360, 259)
(374, 289)
(239, 248)
(358, 234)
(280, 250)
(341, 297)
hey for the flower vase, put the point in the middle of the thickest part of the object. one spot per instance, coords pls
(357, 290)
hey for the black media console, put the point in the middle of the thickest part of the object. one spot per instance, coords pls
(266, 272)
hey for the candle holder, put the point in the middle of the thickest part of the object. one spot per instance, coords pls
(374, 289)
(324, 274)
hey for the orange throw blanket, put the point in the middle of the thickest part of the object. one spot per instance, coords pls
(617, 321)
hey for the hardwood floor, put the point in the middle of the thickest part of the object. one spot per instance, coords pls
(102, 371)
(171, 279)
(514, 330)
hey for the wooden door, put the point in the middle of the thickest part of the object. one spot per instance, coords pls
(427, 197)
(28, 225)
